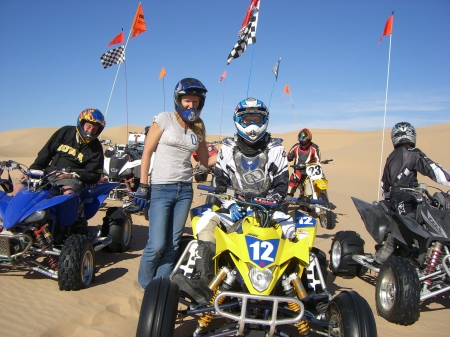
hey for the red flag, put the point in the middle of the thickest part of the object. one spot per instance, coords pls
(138, 25)
(388, 27)
(118, 39)
(248, 14)
(162, 73)
(286, 91)
(224, 75)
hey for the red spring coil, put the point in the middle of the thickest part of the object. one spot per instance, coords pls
(432, 262)
(53, 263)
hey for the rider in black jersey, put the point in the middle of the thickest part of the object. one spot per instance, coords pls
(400, 171)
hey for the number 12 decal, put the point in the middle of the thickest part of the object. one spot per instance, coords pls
(262, 252)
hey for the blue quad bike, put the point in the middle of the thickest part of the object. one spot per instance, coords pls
(39, 231)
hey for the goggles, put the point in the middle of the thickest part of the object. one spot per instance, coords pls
(248, 118)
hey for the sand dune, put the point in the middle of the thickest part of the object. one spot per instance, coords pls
(33, 305)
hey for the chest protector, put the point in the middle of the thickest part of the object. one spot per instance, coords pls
(250, 179)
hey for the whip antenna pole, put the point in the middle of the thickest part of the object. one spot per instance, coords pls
(117, 72)
(221, 114)
(384, 118)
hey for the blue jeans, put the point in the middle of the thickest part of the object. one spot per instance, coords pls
(169, 208)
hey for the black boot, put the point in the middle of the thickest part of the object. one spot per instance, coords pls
(385, 251)
(196, 288)
(291, 192)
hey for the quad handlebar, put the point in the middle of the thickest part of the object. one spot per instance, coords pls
(265, 202)
(302, 166)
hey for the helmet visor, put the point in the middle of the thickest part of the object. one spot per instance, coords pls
(248, 118)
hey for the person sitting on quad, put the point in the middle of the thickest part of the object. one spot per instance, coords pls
(302, 153)
(400, 171)
(255, 165)
(76, 148)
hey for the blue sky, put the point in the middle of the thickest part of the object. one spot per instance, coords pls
(336, 71)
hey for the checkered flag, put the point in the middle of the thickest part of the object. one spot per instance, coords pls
(113, 56)
(247, 35)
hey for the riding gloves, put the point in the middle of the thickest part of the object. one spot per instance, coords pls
(235, 212)
(142, 196)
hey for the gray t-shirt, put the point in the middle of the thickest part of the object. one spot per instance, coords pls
(172, 158)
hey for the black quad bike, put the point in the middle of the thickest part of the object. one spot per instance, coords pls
(419, 267)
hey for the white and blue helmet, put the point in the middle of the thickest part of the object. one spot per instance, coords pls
(251, 118)
(189, 86)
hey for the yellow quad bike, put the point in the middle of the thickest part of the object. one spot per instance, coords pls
(262, 282)
(315, 186)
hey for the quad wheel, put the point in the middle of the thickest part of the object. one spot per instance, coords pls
(397, 291)
(326, 217)
(345, 244)
(76, 267)
(118, 226)
(159, 309)
(352, 315)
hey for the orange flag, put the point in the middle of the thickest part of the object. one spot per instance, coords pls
(138, 25)
(286, 91)
(224, 75)
(388, 27)
(118, 39)
(162, 73)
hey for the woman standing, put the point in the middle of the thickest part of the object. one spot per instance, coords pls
(171, 139)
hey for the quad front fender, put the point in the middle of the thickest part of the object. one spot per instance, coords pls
(405, 227)
(25, 203)
(94, 197)
(377, 222)
(321, 185)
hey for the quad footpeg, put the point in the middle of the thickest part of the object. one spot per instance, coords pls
(366, 261)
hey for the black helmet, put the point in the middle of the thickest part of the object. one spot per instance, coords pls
(93, 116)
(403, 133)
(189, 86)
(145, 130)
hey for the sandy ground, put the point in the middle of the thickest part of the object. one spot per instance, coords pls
(32, 305)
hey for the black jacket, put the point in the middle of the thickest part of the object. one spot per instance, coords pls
(64, 151)
(402, 166)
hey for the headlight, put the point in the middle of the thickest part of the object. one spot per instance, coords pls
(36, 216)
(260, 278)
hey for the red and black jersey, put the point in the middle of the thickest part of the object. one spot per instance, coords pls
(304, 156)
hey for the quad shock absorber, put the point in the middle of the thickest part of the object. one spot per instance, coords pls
(45, 241)
(206, 317)
(292, 286)
(433, 260)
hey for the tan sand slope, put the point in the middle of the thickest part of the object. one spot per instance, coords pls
(32, 304)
